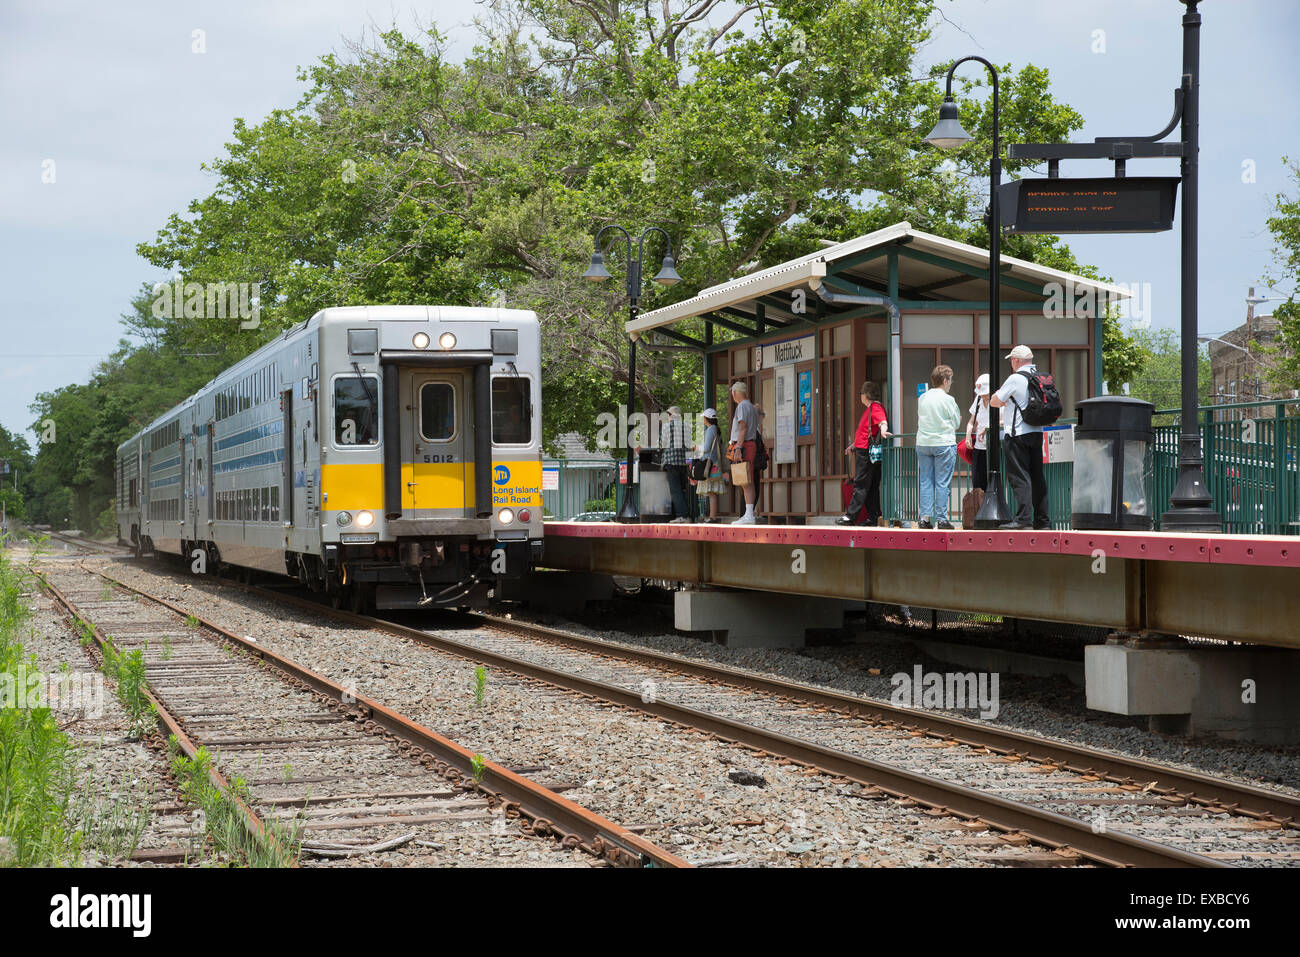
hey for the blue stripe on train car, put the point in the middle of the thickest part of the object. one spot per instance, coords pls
(250, 461)
(249, 435)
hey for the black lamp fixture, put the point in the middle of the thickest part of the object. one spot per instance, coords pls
(667, 276)
(948, 134)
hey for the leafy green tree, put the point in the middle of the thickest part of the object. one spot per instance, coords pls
(750, 132)
(404, 176)
(1284, 224)
(1160, 382)
(15, 451)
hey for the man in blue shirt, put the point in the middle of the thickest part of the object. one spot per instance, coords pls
(1022, 444)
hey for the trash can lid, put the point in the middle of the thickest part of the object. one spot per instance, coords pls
(1114, 413)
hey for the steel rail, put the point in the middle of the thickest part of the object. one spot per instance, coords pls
(547, 812)
(89, 545)
(252, 823)
(1057, 831)
(1192, 786)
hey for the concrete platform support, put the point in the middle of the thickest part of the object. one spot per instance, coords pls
(1236, 693)
(560, 593)
(755, 619)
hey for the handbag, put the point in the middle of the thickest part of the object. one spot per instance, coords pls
(741, 475)
(875, 447)
(700, 468)
(970, 506)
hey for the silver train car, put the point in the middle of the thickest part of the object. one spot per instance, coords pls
(386, 455)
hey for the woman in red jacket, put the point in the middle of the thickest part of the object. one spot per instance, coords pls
(873, 428)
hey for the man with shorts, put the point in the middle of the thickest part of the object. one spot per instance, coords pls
(744, 426)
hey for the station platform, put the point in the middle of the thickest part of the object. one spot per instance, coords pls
(1230, 587)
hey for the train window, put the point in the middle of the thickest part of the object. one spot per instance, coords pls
(437, 411)
(356, 410)
(511, 411)
(363, 342)
(275, 503)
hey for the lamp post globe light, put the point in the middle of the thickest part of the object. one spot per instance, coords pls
(948, 135)
(667, 276)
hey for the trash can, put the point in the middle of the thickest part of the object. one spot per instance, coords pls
(656, 498)
(1112, 480)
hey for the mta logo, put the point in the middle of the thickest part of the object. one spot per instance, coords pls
(500, 475)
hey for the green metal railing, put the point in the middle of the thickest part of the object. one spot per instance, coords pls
(580, 481)
(1252, 468)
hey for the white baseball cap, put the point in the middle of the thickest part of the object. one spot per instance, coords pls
(710, 413)
(982, 385)
(1021, 352)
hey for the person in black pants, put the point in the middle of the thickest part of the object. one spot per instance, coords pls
(1022, 445)
(673, 435)
(1024, 457)
(866, 474)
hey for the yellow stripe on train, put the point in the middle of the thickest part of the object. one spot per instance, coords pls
(355, 486)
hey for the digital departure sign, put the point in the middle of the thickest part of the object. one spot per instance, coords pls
(1136, 204)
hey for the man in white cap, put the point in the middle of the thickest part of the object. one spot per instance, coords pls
(1022, 447)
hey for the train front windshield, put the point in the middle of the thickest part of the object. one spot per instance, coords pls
(511, 411)
(356, 410)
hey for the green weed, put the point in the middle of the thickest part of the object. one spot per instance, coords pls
(480, 685)
(223, 820)
(37, 761)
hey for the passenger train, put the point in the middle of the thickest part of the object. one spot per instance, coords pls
(386, 455)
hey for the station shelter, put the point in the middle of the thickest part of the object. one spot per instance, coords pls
(889, 307)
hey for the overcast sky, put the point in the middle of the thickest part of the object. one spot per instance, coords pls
(115, 97)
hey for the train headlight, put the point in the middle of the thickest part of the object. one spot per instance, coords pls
(505, 516)
(420, 340)
(365, 519)
(447, 341)
(344, 519)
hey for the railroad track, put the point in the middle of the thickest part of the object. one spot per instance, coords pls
(87, 545)
(1070, 838)
(326, 763)
(1103, 789)
(1079, 803)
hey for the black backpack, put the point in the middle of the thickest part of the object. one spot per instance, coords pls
(1044, 405)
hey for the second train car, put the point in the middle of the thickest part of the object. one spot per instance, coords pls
(387, 455)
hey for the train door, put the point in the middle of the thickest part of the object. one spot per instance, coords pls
(437, 478)
(198, 490)
(185, 502)
(208, 476)
(289, 514)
